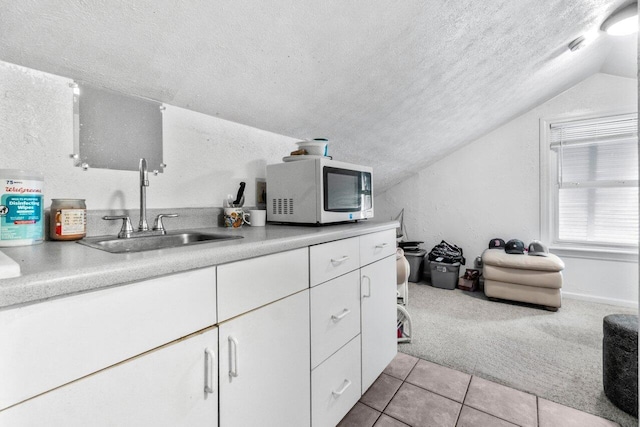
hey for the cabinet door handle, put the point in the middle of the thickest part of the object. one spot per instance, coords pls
(233, 357)
(339, 260)
(368, 280)
(209, 363)
(345, 386)
(382, 245)
(337, 318)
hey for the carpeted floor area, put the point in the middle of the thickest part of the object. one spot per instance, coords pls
(557, 356)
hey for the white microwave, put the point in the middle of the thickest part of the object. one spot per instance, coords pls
(319, 191)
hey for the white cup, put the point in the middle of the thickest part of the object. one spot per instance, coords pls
(257, 218)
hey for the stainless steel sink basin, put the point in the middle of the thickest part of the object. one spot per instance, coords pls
(147, 243)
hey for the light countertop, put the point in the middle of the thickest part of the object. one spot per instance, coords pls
(55, 269)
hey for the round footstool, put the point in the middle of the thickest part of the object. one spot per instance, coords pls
(620, 361)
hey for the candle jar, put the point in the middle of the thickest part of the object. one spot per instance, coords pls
(68, 219)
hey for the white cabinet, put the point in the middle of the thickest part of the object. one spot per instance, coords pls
(241, 344)
(264, 365)
(263, 308)
(379, 336)
(48, 344)
(174, 385)
(350, 276)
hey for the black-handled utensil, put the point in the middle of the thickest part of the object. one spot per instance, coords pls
(237, 201)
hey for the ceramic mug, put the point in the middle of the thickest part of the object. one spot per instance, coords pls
(234, 217)
(258, 218)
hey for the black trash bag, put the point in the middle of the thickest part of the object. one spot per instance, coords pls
(446, 252)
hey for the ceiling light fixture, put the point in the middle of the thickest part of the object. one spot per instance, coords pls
(623, 21)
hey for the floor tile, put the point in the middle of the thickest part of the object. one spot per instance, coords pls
(440, 379)
(387, 421)
(360, 416)
(418, 407)
(470, 417)
(381, 392)
(504, 402)
(401, 365)
(553, 414)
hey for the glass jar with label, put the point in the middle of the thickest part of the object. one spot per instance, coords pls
(68, 219)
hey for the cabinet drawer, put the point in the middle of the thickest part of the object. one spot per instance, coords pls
(376, 246)
(249, 284)
(335, 385)
(335, 315)
(333, 259)
(45, 345)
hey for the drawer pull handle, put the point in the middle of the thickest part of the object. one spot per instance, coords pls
(339, 260)
(345, 386)
(382, 245)
(209, 363)
(341, 315)
(368, 280)
(233, 357)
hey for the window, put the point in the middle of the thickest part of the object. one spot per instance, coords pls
(593, 182)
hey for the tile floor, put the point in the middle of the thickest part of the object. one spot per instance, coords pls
(414, 392)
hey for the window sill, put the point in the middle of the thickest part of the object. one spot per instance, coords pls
(602, 254)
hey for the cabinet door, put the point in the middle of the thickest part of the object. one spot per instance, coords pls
(165, 387)
(379, 336)
(264, 365)
(49, 344)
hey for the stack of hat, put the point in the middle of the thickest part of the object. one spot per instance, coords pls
(515, 246)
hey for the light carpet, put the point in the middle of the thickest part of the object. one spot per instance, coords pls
(557, 356)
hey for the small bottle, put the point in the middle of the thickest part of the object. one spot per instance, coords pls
(68, 219)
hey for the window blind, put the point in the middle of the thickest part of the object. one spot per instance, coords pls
(597, 187)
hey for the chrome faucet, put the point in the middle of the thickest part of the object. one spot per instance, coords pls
(144, 183)
(126, 231)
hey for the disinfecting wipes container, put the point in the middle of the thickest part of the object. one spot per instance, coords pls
(21, 207)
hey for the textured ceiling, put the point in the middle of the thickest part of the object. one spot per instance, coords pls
(393, 84)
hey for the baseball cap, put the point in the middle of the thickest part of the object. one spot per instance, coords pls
(514, 246)
(496, 244)
(536, 247)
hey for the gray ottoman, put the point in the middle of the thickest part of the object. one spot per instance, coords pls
(620, 361)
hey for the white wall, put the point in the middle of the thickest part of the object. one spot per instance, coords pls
(206, 157)
(490, 188)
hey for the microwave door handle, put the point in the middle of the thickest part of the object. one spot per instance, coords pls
(365, 190)
(365, 185)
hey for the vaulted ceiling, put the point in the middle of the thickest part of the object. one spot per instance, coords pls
(396, 84)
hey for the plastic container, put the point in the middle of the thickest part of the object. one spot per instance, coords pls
(426, 270)
(416, 261)
(444, 275)
(68, 219)
(21, 207)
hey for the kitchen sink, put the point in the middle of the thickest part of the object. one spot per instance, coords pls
(151, 242)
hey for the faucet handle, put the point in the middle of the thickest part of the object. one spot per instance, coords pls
(127, 228)
(158, 225)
